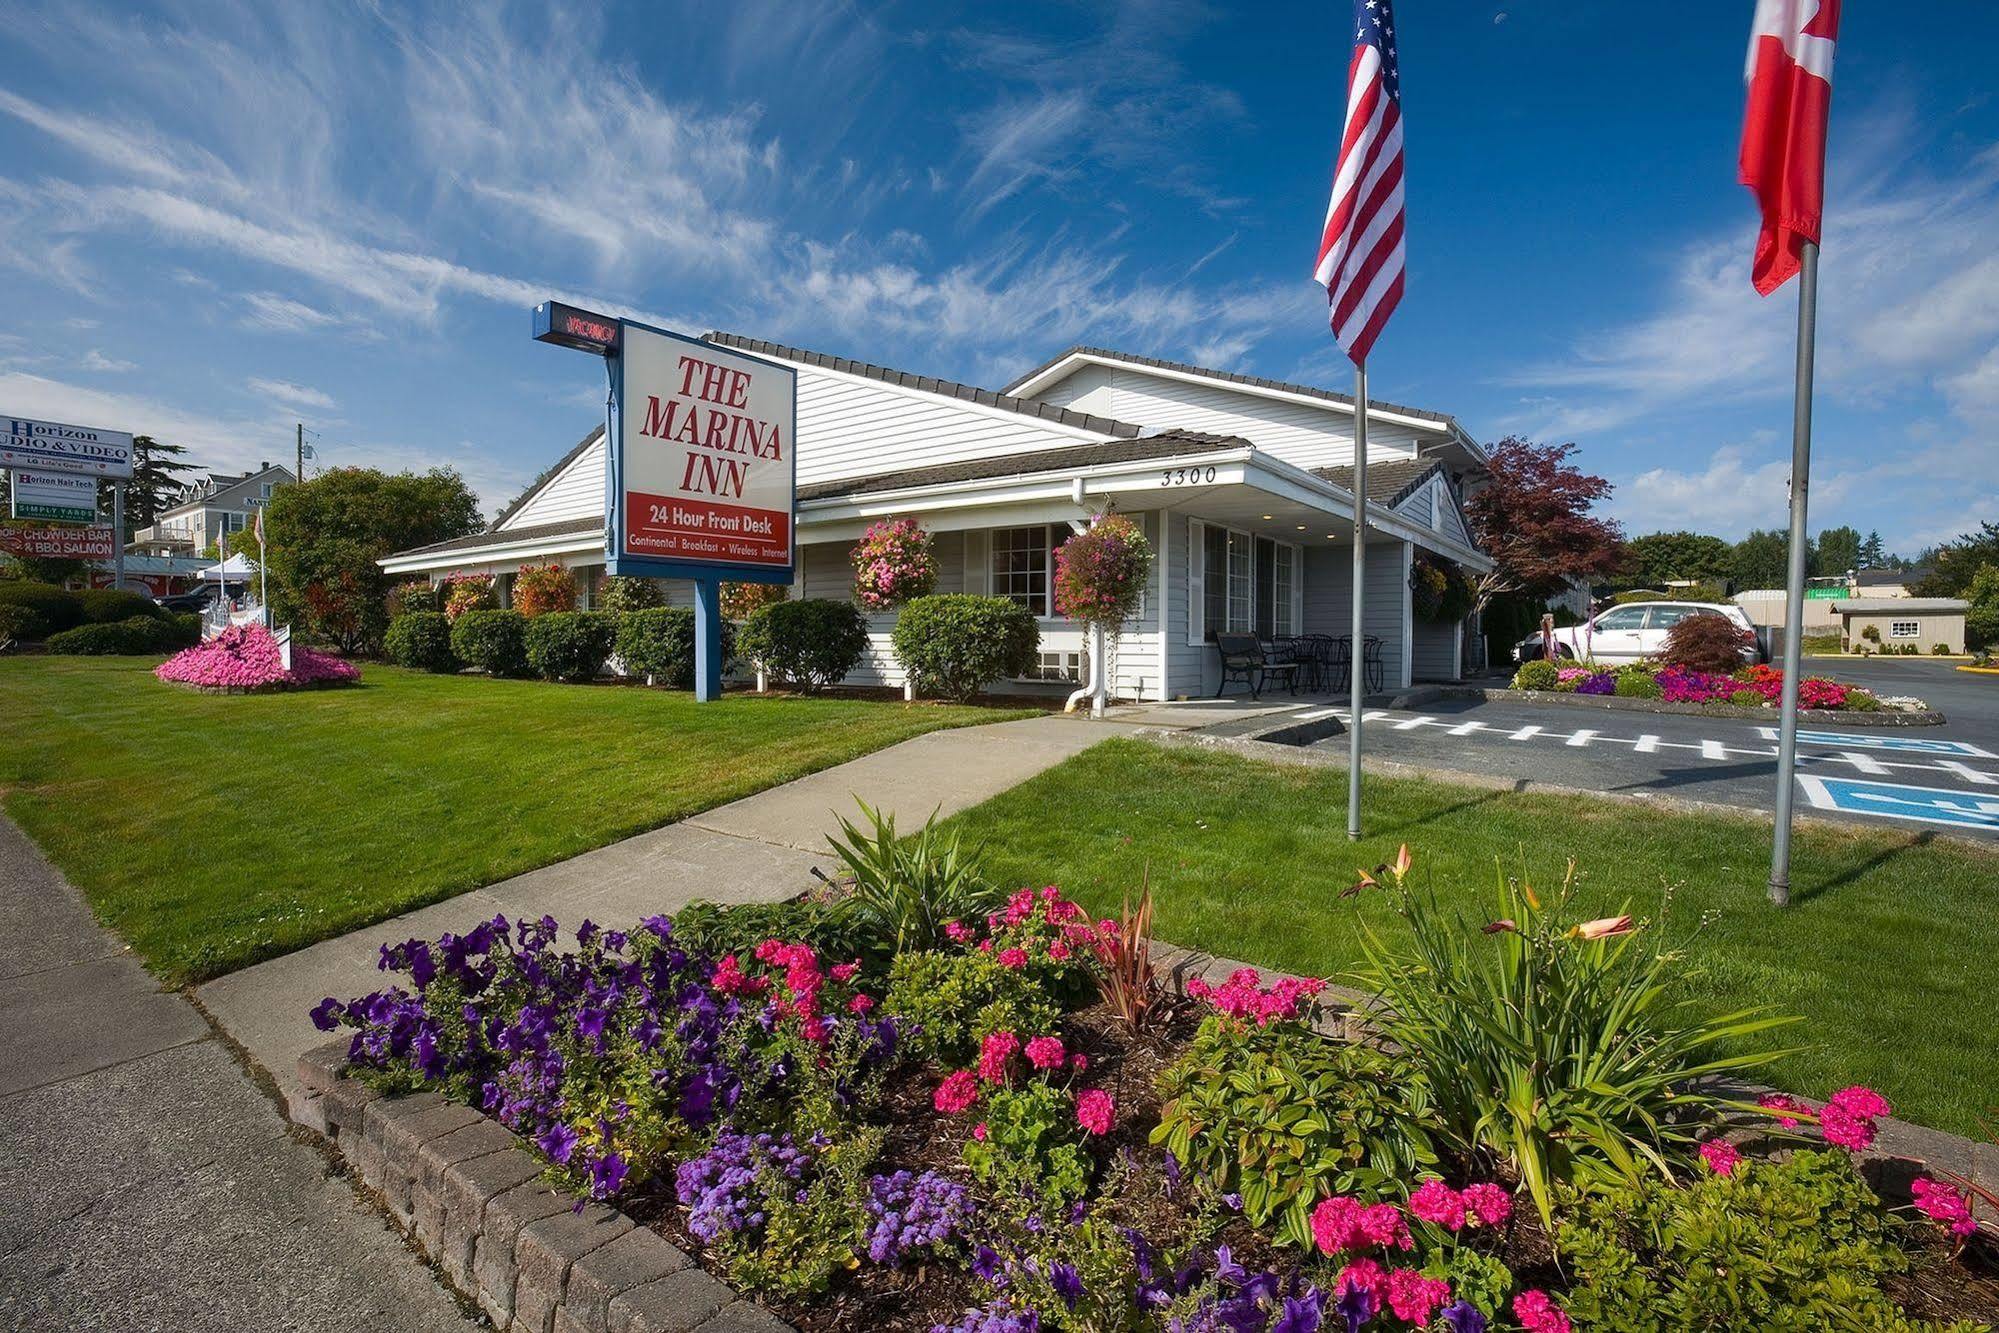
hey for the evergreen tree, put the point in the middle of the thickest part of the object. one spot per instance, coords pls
(1872, 556)
(1836, 551)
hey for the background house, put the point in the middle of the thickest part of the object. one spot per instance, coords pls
(1899, 623)
(1242, 485)
(207, 510)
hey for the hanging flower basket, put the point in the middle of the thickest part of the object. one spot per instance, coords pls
(1101, 574)
(893, 562)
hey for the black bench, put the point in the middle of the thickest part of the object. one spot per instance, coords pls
(1243, 659)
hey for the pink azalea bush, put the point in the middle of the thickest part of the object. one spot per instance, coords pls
(894, 561)
(247, 657)
(1244, 996)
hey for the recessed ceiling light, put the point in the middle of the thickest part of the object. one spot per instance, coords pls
(1268, 517)
(1301, 527)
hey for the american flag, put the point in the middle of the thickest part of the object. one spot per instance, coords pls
(1360, 251)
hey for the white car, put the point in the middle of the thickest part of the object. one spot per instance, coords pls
(1635, 630)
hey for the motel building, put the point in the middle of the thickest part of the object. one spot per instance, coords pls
(1242, 484)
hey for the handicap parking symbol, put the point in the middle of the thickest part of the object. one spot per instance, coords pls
(1906, 744)
(1895, 800)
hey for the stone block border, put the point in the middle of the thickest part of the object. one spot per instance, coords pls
(471, 1197)
(538, 1260)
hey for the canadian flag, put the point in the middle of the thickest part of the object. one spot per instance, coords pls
(1783, 131)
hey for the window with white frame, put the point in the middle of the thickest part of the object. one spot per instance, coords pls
(1245, 584)
(1020, 567)
(1905, 629)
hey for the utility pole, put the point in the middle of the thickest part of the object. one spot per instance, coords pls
(298, 473)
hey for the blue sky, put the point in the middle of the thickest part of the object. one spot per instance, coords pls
(217, 220)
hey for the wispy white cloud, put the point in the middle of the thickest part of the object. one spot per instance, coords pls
(289, 394)
(97, 361)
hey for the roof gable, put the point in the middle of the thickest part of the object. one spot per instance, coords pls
(512, 511)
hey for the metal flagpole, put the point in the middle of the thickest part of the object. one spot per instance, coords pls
(118, 534)
(1357, 658)
(1794, 586)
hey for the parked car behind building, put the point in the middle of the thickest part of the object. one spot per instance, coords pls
(1635, 630)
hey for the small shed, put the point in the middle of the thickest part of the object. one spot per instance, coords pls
(1901, 623)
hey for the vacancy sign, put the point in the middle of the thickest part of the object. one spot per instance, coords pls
(60, 497)
(704, 469)
(54, 447)
(57, 543)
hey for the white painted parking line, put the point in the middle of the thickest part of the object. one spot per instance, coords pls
(1967, 772)
(1868, 764)
(1847, 740)
(1714, 750)
(1580, 738)
(1523, 734)
(1465, 728)
(1647, 745)
(1318, 713)
(1411, 724)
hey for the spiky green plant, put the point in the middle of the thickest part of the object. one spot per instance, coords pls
(1552, 1049)
(906, 889)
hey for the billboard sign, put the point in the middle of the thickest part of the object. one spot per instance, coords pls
(702, 476)
(57, 497)
(54, 447)
(568, 326)
(58, 543)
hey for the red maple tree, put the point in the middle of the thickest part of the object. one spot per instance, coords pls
(1533, 518)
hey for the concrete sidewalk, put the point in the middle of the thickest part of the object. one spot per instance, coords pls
(759, 849)
(145, 1182)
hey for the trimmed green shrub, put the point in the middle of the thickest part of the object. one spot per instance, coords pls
(1540, 674)
(570, 645)
(494, 642)
(187, 628)
(59, 608)
(137, 636)
(102, 606)
(408, 599)
(22, 624)
(1746, 699)
(1796, 1244)
(1939, 650)
(659, 643)
(811, 643)
(1637, 685)
(626, 592)
(421, 639)
(955, 643)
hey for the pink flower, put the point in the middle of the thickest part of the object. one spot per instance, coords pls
(1046, 1053)
(1094, 1110)
(1415, 1298)
(1863, 1102)
(958, 931)
(1340, 1223)
(1365, 1275)
(956, 1092)
(1437, 1203)
(1059, 951)
(994, 1052)
(1015, 958)
(860, 1004)
(1721, 1156)
(1847, 1121)
(1945, 1204)
(1490, 1204)
(979, 1131)
(1079, 1061)
(1538, 1314)
(1778, 1101)
(845, 971)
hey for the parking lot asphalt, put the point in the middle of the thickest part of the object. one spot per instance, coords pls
(1937, 777)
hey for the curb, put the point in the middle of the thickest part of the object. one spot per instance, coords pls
(535, 1259)
(1980, 671)
(1820, 716)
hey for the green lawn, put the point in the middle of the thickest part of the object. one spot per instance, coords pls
(217, 830)
(1888, 950)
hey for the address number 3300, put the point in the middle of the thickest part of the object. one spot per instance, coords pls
(1186, 476)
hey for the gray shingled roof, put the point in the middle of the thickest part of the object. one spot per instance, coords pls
(1884, 606)
(534, 487)
(1233, 377)
(970, 393)
(1389, 481)
(1170, 444)
(532, 532)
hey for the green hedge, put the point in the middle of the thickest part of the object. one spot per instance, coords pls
(810, 643)
(570, 645)
(136, 636)
(421, 639)
(22, 624)
(492, 641)
(59, 608)
(659, 643)
(1539, 674)
(954, 644)
(103, 606)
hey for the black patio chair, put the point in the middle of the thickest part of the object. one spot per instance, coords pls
(1244, 659)
(1372, 663)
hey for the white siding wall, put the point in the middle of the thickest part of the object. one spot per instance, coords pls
(1307, 436)
(575, 492)
(1329, 599)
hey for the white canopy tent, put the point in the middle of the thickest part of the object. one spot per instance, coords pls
(237, 568)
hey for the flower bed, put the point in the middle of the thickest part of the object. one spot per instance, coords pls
(1760, 686)
(246, 659)
(994, 1134)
